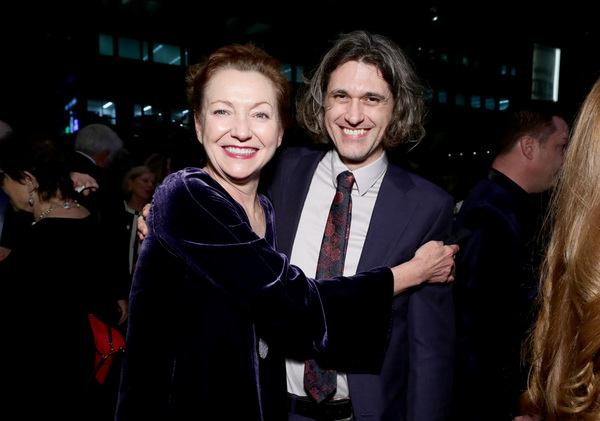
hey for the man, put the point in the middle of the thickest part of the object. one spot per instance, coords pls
(5, 209)
(96, 147)
(95, 150)
(496, 271)
(364, 98)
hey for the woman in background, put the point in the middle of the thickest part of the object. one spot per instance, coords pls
(139, 184)
(51, 280)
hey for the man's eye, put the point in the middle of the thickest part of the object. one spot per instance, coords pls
(372, 100)
(341, 98)
(338, 96)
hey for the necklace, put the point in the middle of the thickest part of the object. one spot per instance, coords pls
(66, 205)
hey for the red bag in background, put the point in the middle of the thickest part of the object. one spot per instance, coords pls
(109, 342)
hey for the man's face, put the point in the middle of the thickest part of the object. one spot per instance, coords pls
(551, 155)
(358, 111)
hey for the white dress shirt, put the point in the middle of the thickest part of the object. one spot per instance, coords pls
(307, 244)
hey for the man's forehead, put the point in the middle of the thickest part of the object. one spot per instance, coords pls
(358, 75)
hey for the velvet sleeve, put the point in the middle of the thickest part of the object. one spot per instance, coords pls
(197, 221)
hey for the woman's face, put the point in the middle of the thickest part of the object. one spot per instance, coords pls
(143, 186)
(17, 193)
(240, 127)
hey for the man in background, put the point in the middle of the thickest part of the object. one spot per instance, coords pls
(5, 130)
(497, 267)
(95, 150)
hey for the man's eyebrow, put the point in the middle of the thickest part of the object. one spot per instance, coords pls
(365, 94)
(375, 94)
(337, 91)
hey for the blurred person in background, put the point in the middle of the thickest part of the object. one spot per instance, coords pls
(139, 184)
(497, 268)
(49, 286)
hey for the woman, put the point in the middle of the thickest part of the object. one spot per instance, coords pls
(139, 184)
(564, 383)
(214, 308)
(50, 286)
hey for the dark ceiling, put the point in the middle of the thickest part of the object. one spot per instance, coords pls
(33, 32)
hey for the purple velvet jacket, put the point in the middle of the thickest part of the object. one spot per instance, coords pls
(206, 288)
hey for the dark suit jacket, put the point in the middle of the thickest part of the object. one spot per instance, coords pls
(496, 278)
(106, 204)
(416, 377)
(206, 287)
(107, 201)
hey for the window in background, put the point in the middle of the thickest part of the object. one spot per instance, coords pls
(545, 73)
(167, 54)
(129, 48)
(106, 46)
(105, 109)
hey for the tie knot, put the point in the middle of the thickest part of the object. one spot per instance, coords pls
(345, 180)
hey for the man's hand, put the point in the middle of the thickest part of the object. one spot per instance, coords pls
(84, 183)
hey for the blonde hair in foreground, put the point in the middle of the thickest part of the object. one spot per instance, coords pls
(564, 382)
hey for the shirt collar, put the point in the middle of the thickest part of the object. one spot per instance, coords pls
(87, 156)
(131, 210)
(364, 177)
(503, 180)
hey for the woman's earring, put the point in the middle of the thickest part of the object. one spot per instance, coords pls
(31, 200)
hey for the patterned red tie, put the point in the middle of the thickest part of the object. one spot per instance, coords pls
(321, 383)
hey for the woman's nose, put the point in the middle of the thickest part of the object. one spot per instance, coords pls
(241, 129)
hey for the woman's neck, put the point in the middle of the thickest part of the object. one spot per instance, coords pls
(136, 203)
(246, 194)
(57, 208)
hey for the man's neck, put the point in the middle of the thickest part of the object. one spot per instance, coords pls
(505, 180)
(512, 170)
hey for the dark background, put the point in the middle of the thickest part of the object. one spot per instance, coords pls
(49, 54)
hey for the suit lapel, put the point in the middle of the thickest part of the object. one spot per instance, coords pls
(297, 179)
(391, 215)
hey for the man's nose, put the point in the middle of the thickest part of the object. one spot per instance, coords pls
(355, 112)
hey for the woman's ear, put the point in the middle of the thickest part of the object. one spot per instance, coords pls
(198, 126)
(280, 137)
(31, 182)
